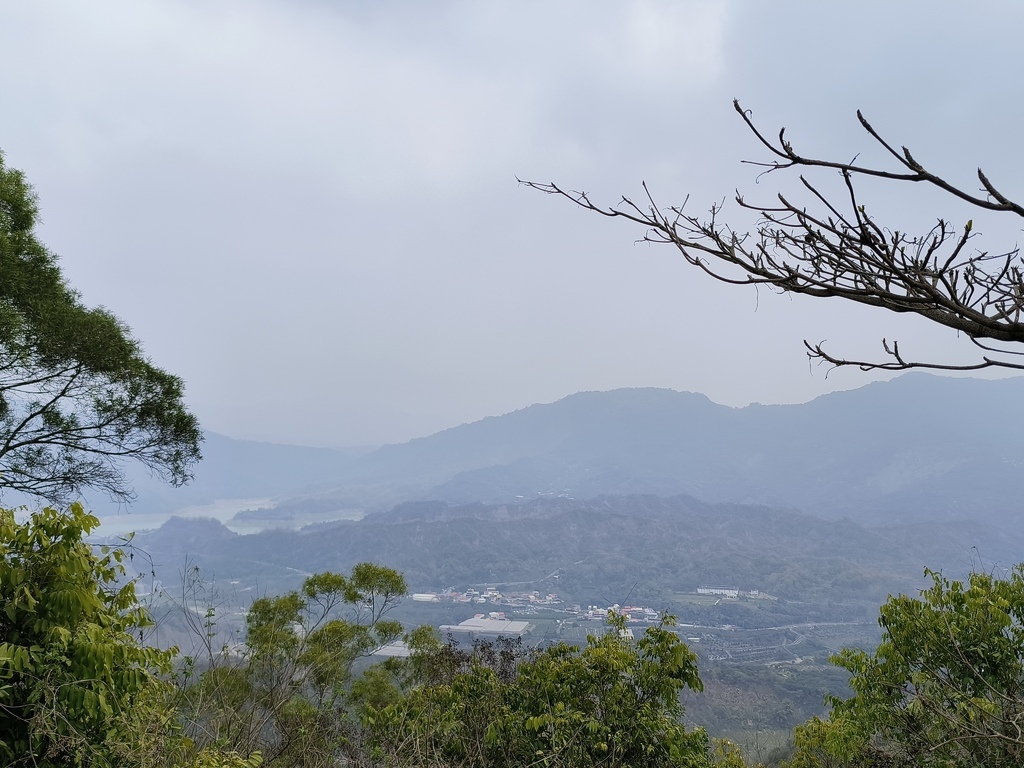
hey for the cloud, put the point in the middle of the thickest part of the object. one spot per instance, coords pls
(308, 208)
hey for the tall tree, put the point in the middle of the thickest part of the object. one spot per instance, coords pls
(284, 693)
(831, 246)
(945, 687)
(77, 395)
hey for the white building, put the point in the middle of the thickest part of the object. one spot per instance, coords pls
(486, 627)
(720, 591)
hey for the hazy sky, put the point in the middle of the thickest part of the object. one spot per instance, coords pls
(309, 210)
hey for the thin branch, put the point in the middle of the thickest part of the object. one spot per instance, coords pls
(846, 253)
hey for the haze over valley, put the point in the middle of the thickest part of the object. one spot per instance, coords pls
(635, 496)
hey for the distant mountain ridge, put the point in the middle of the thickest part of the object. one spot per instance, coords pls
(919, 447)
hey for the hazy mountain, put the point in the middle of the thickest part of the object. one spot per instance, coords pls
(918, 447)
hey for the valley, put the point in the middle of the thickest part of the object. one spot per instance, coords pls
(772, 533)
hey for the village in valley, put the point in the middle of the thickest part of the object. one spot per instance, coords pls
(538, 617)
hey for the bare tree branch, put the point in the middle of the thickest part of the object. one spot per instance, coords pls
(837, 249)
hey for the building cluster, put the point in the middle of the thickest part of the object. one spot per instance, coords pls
(628, 612)
(731, 592)
(489, 595)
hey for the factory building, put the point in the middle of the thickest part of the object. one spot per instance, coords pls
(487, 627)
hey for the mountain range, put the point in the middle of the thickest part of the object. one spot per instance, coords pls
(919, 447)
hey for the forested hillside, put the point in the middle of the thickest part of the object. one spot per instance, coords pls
(597, 549)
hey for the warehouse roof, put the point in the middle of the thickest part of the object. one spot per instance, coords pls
(487, 626)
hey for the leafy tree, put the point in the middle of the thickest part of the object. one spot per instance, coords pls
(77, 395)
(77, 685)
(832, 247)
(72, 671)
(612, 703)
(944, 688)
(284, 693)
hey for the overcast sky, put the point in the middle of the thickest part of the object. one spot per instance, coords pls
(309, 210)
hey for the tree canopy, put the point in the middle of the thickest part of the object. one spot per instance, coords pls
(945, 687)
(77, 395)
(72, 672)
(78, 686)
(614, 702)
(284, 693)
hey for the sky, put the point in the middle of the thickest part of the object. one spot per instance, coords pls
(309, 209)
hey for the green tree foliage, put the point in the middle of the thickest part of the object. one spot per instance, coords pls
(944, 688)
(77, 395)
(614, 702)
(285, 692)
(72, 669)
(77, 685)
